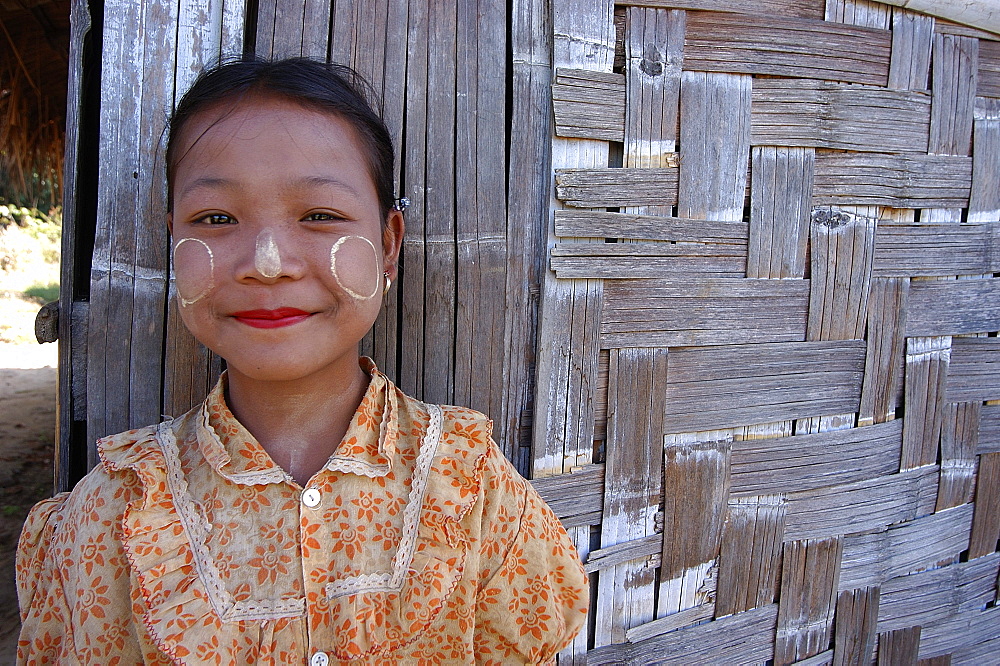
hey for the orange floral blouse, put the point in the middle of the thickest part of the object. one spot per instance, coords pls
(416, 543)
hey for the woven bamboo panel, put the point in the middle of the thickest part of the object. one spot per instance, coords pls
(774, 296)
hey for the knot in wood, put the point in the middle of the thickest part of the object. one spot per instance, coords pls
(830, 217)
(652, 62)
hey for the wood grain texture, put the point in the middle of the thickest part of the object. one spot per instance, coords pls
(808, 598)
(576, 498)
(781, 183)
(988, 74)
(912, 39)
(741, 638)
(589, 104)
(872, 558)
(861, 506)
(880, 391)
(968, 637)
(842, 251)
(989, 429)
(953, 91)
(984, 199)
(674, 312)
(823, 114)
(726, 386)
(899, 646)
(910, 250)
(794, 48)
(603, 188)
(750, 553)
(599, 224)
(854, 635)
(959, 444)
(927, 369)
(633, 482)
(932, 597)
(974, 372)
(796, 8)
(646, 260)
(986, 519)
(953, 307)
(808, 462)
(898, 181)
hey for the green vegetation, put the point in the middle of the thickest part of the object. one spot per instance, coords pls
(43, 293)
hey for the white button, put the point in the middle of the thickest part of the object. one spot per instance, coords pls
(319, 659)
(311, 499)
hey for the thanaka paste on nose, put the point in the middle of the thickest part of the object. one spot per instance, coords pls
(342, 276)
(267, 259)
(192, 283)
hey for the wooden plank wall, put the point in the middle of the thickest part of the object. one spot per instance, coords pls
(799, 291)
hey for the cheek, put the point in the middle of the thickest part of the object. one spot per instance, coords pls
(194, 270)
(355, 266)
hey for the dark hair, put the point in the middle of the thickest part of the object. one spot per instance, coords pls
(328, 87)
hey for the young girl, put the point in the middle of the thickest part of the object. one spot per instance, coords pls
(307, 511)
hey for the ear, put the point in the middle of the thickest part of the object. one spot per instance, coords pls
(392, 241)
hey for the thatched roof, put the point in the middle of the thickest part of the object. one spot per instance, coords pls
(34, 47)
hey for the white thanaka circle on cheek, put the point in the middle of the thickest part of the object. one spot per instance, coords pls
(267, 259)
(197, 275)
(342, 276)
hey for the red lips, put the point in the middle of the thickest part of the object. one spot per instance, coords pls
(271, 318)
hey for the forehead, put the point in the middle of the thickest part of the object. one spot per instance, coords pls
(265, 131)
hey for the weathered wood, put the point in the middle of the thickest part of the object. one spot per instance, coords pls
(887, 307)
(823, 114)
(715, 145)
(807, 462)
(900, 646)
(953, 307)
(980, 13)
(854, 631)
(932, 597)
(574, 496)
(742, 638)
(633, 479)
(726, 386)
(988, 75)
(601, 188)
(647, 548)
(959, 441)
(646, 260)
(861, 506)
(927, 368)
(842, 251)
(912, 38)
(989, 429)
(906, 250)
(974, 373)
(750, 554)
(984, 199)
(781, 182)
(969, 637)
(808, 598)
(668, 623)
(795, 48)
(953, 91)
(872, 558)
(795, 8)
(674, 312)
(986, 519)
(899, 181)
(599, 224)
(589, 104)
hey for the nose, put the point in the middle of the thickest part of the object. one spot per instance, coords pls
(270, 259)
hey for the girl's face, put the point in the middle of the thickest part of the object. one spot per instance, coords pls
(278, 248)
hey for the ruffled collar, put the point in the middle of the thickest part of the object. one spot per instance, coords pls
(368, 446)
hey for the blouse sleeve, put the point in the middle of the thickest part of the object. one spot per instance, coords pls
(46, 635)
(533, 592)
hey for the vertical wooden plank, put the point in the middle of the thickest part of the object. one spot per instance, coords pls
(984, 199)
(289, 26)
(954, 73)
(781, 181)
(923, 399)
(809, 579)
(986, 517)
(884, 351)
(910, 62)
(632, 486)
(855, 631)
(527, 213)
(316, 16)
(569, 321)
(959, 439)
(266, 21)
(899, 647)
(750, 556)
(697, 476)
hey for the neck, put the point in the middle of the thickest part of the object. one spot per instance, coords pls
(299, 423)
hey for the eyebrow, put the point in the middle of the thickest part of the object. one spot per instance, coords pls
(209, 183)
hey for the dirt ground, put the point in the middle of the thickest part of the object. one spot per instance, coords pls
(27, 433)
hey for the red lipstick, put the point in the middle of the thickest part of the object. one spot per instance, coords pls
(271, 318)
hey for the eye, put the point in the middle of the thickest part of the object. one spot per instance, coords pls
(214, 219)
(322, 217)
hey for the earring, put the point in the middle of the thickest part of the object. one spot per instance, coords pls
(388, 283)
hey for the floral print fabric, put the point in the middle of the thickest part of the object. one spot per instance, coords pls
(417, 542)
